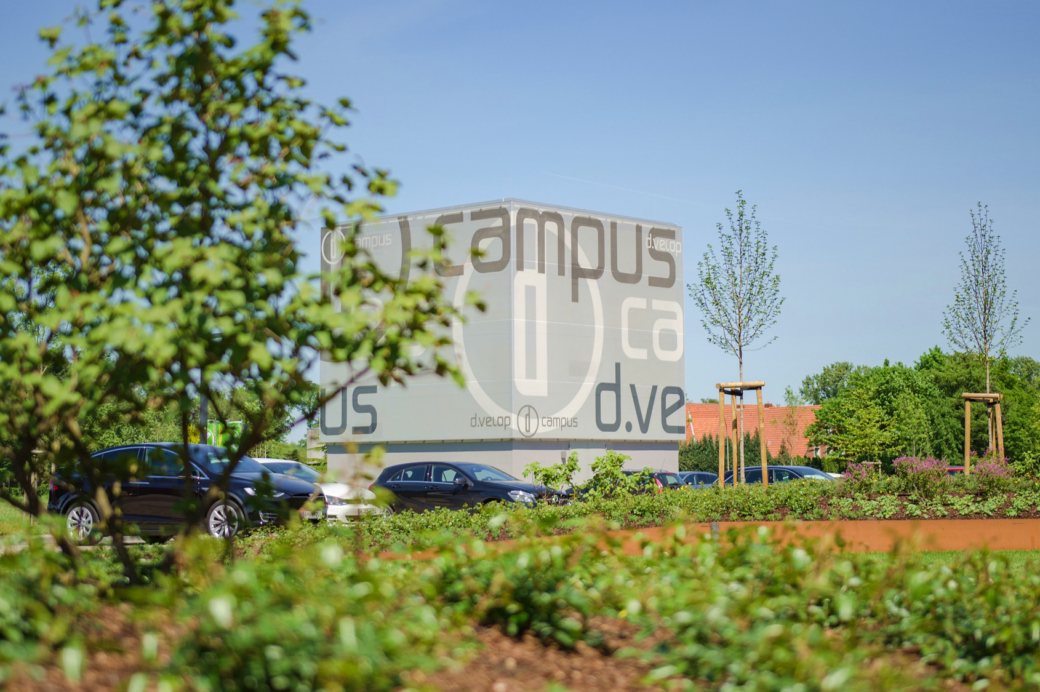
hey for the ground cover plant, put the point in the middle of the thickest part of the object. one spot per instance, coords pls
(737, 612)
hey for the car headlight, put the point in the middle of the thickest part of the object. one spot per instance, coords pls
(334, 501)
(250, 492)
(278, 494)
(521, 496)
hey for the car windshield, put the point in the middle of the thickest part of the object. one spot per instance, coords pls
(810, 474)
(294, 469)
(481, 472)
(216, 460)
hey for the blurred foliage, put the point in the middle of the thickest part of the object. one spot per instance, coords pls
(112, 425)
(148, 245)
(740, 611)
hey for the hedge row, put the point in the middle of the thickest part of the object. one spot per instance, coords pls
(962, 497)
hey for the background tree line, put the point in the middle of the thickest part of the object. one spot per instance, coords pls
(889, 411)
(892, 410)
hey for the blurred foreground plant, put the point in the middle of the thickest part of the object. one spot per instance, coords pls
(148, 246)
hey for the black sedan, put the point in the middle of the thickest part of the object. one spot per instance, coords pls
(155, 500)
(425, 486)
(781, 474)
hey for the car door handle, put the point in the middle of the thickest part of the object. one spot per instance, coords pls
(396, 486)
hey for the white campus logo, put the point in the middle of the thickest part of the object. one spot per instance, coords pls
(531, 383)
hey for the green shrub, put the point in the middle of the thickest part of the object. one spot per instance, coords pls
(40, 599)
(557, 476)
(311, 619)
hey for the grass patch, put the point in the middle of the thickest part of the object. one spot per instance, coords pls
(14, 521)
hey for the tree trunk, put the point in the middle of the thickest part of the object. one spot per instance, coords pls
(741, 423)
(989, 409)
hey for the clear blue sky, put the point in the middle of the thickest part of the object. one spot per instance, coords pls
(864, 132)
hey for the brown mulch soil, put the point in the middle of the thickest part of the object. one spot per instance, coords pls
(526, 665)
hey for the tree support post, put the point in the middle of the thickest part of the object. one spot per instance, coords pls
(1000, 431)
(992, 402)
(762, 439)
(735, 389)
(967, 437)
(722, 438)
(733, 435)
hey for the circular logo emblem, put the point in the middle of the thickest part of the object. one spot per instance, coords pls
(527, 421)
(332, 246)
(589, 381)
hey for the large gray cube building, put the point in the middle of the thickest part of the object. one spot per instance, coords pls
(580, 349)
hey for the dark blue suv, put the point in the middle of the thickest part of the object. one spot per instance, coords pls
(154, 498)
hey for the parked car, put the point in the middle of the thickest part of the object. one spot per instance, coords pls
(341, 500)
(662, 480)
(698, 479)
(255, 496)
(424, 486)
(954, 470)
(659, 480)
(781, 474)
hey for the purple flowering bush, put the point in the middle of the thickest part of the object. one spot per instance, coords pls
(856, 478)
(924, 477)
(992, 473)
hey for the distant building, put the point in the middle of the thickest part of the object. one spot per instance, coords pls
(703, 419)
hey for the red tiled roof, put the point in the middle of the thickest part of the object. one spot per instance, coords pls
(703, 419)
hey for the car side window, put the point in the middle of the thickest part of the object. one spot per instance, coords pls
(120, 459)
(412, 473)
(753, 475)
(783, 475)
(163, 462)
(444, 474)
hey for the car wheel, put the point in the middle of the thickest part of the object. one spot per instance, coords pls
(81, 521)
(224, 520)
(388, 511)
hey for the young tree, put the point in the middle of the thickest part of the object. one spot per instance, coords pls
(911, 427)
(738, 292)
(983, 319)
(159, 206)
(788, 424)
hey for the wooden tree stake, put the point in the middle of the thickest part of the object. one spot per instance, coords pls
(722, 438)
(967, 437)
(733, 434)
(762, 439)
(1000, 433)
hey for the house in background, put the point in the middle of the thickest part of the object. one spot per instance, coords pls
(781, 422)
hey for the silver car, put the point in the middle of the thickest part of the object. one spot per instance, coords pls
(341, 500)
